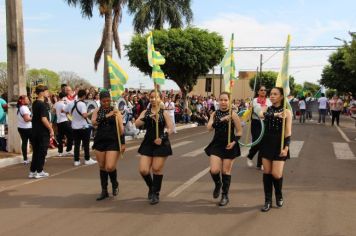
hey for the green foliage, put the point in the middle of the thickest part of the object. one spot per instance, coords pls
(337, 75)
(43, 76)
(153, 13)
(350, 54)
(189, 53)
(310, 87)
(3, 78)
(330, 93)
(268, 79)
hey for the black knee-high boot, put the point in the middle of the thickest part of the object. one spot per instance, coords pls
(226, 180)
(268, 187)
(104, 185)
(278, 183)
(217, 181)
(156, 188)
(114, 182)
(148, 180)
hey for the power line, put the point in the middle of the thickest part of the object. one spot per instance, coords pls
(292, 48)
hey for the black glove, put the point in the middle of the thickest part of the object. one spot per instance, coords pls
(237, 138)
(287, 141)
(164, 137)
(268, 115)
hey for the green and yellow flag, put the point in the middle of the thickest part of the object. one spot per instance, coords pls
(155, 59)
(118, 78)
(283, 77)
(228, 65)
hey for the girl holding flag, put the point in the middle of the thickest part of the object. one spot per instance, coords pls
(154, 148)
(222, 151)
(273, 158)
(106, 143)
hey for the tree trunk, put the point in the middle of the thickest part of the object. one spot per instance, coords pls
(108, 46)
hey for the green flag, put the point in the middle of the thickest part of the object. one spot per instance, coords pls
(228, 65)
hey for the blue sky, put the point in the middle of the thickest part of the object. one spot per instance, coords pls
(58, 38)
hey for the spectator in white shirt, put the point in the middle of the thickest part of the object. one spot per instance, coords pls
(323, 103)
(63, 124)
(24, 124)
(302, 108)
(130, 128)
(170, 107)
(81, 127)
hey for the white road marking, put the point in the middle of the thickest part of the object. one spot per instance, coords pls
(295, 148)
(37, 180)
(343, 135)
(190, 182)
(181, 144)
(343, 151)
(194, 153)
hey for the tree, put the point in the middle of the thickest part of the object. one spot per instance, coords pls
(268, 79)
(337, 74)
(311, 87)
(3, 78)
(350, 53)
(72, 79)
(189, 53)
(154, 13)
(43, 76)
(111, 10)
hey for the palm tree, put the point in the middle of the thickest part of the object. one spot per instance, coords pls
(154, 13)
(111, 10)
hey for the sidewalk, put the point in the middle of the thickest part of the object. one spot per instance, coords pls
(14, 159)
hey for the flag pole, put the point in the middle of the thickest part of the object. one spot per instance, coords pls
(285, 97)
(157, 110)
(117, 128)
(284, 119)
(231, 86)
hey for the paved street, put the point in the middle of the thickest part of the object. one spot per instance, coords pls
(319, 188)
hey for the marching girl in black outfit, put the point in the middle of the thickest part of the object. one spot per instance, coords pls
(273, 159)
(154, 151)
(221, 151)
(106, 143)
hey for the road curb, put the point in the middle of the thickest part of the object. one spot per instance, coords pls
(9, 161)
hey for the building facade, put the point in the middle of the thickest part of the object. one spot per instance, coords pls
(213, 84)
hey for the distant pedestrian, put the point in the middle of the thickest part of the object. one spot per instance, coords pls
(323, 104)
(40, 138)
(302, 108)
(336, 107)
(81, 128)
(24, 125)
(63, 125)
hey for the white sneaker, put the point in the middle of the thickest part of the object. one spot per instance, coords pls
(41, 175)
(32, 175)
(26, 162)
(69, 153)
(77, 163)
(249, 163)
(60, 154)
(90, 162)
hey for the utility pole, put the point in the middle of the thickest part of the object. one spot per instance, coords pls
(15, 68)
(261, 63)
